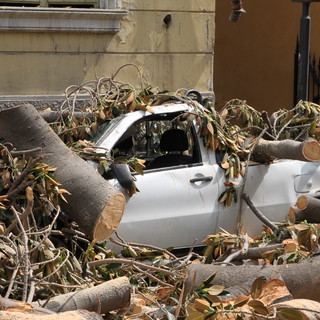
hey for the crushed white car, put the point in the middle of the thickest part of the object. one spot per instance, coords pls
(177, 203)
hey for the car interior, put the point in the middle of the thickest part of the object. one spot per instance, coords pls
(161, 140)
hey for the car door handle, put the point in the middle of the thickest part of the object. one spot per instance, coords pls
(201, 179)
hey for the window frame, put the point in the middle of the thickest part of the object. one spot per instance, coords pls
(191, 132)
(50, 3)
(106, 19)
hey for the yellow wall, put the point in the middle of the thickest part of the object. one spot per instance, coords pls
(254, 57)
(178, 56)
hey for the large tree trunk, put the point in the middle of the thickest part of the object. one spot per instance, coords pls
(94, 204)
(266, 151)
(110, 295)
(302, 279)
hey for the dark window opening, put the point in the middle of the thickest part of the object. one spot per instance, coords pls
(160, 141)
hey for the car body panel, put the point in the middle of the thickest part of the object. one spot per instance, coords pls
(171, 210)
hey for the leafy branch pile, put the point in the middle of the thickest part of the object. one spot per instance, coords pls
(232, 131)
(43, 254)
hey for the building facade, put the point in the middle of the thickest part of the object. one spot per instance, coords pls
(48, 45)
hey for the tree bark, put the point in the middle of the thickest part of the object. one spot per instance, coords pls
(267, 151)
(94, 204)
(108, 296)
(302, 279)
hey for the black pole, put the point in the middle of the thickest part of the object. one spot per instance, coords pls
(295, 73)
(303, 74)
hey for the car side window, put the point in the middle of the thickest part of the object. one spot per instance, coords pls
(161, 143)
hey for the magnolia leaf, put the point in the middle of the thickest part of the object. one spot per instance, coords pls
(215, 290)
(132, 106)
(291, 314)
(164, 292)
(301, 227)
(206, 283)
(195, 315)
(256, 288)
(241, 301)
(201, 304)
(258, 307)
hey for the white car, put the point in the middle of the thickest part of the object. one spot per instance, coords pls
(177, 203)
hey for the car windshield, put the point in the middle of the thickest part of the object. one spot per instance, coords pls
(105, 129)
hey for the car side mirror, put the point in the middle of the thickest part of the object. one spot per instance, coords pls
(122, 173)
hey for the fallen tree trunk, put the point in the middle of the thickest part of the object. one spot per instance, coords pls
(267, 151)
(94, 204)
(302, 279)
(108, 296)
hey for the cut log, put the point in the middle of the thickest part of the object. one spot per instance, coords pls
(308, 209)
(267, 151)
(94, 204)
(70, 315)
(18, 310)
(108, 296)
(302, 279)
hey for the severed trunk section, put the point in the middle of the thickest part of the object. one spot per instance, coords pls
(267, 151)
(110, 295)
(94, 204)
(308, 208)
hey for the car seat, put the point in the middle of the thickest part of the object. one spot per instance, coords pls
(124, 147)
(173, 140)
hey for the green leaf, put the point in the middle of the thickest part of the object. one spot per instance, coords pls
(290, 314)
(206, 283)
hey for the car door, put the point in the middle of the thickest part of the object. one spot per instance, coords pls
(176, 205)
(273, 189)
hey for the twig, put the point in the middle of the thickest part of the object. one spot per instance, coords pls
(130, 263)
(23, 174)
(258, 213)
(25, 255)
(239, 252)
(16, 153)
(140, 245)
(152, 277)
(274, 316)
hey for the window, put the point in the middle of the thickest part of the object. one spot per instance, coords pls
(61, 15)
(52, 3)
(162, 143)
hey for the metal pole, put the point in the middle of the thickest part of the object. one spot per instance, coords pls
(303, 75)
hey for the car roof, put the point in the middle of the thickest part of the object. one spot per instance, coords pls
(119, 125)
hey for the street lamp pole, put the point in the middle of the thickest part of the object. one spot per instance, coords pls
(304, 49)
